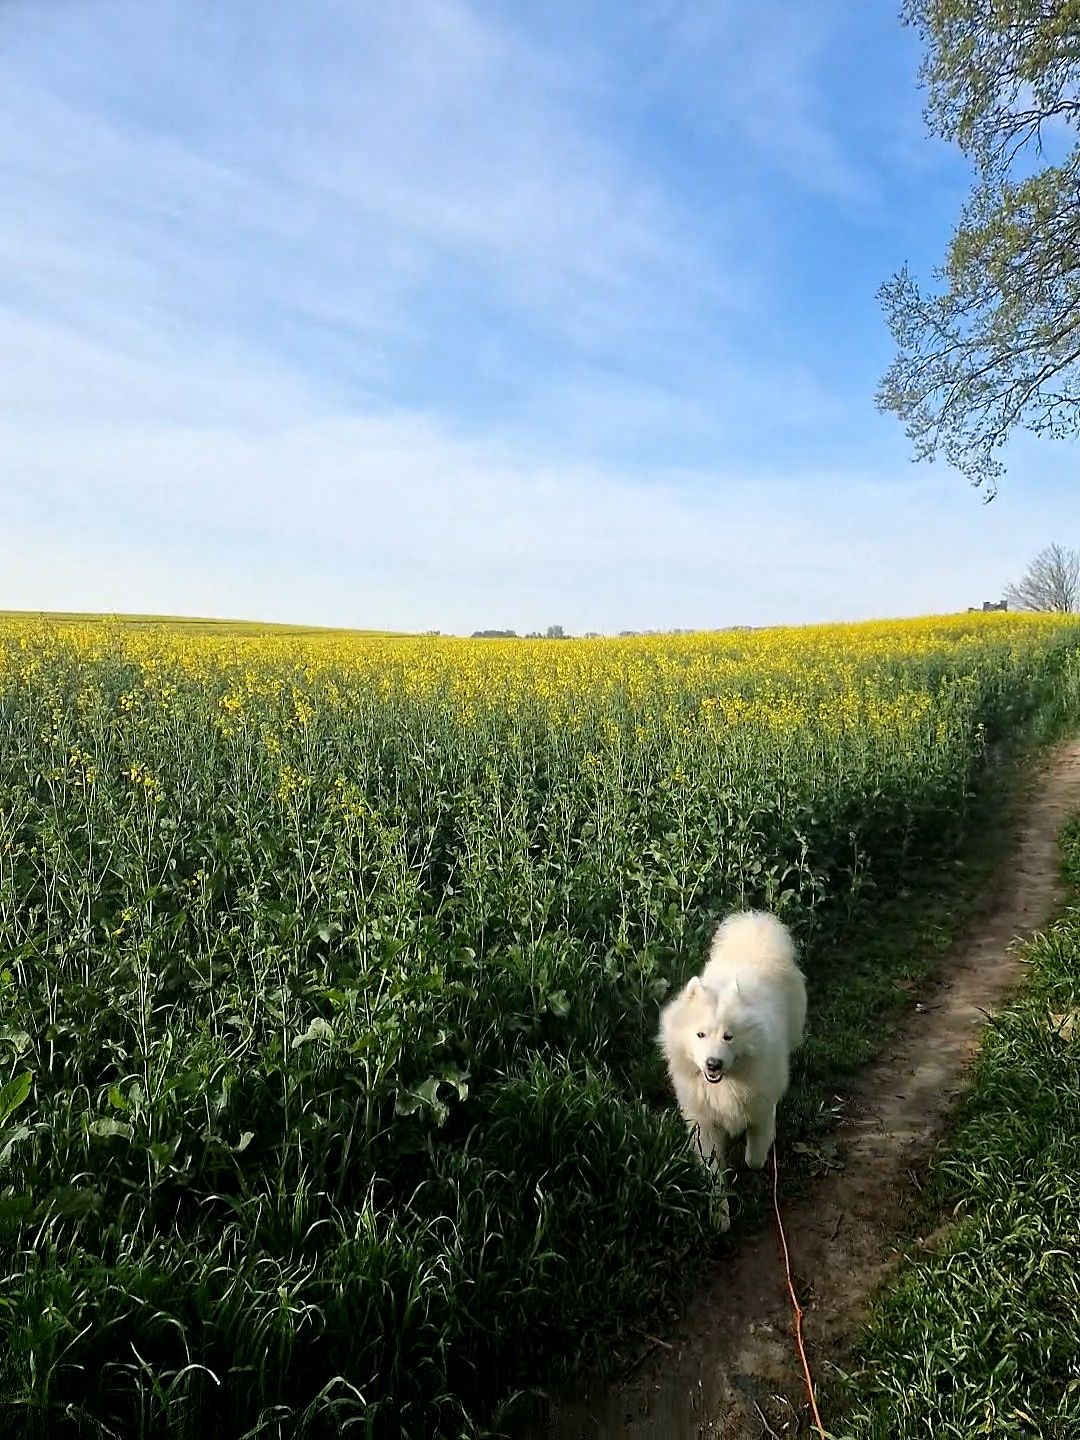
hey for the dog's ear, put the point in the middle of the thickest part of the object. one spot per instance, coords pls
(695, 987)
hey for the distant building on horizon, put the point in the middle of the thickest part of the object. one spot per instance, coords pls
(987, 606)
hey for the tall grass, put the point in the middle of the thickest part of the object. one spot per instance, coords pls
(329, 971)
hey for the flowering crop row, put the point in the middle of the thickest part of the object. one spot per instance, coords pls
(330, 964)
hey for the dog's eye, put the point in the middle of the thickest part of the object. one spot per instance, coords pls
(728, 1039)
(701, 1034)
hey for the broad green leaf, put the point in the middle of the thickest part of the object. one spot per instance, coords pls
(319, 1029)
(14, 1093)
(163, 1151)
(71, 1202)
(15, 1207)
(9, 1139)
(107, 1128)
(423, 1096)
(429, 1094)
(453, 1075)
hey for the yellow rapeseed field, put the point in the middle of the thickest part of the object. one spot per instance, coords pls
(330, 966)
(721, 670)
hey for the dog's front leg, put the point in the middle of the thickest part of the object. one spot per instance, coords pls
(760, 1134)
(710, 1142)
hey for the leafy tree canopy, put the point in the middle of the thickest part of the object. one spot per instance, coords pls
(994, 346)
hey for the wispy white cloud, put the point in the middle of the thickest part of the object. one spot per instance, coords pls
(396, 315)
(758, 72)
(383, 158)
(393, 205)
(394, 519)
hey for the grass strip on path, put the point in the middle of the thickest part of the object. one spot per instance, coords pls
(980, 1334)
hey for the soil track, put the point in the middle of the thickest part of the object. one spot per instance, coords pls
(731, 1370)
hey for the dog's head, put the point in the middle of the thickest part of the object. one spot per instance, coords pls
(717, 1030)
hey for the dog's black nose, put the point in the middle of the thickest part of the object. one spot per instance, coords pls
(714, 1066)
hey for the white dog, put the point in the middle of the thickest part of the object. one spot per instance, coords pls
(727, 1037)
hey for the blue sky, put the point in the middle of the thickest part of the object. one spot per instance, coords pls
(449, 315)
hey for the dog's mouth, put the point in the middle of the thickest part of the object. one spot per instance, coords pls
(713, 1076)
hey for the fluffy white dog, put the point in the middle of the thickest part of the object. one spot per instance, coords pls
(727, 1037)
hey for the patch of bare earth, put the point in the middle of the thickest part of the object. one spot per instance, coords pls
(731, 1369)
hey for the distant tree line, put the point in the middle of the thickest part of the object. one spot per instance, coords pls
(556, 632)
(553, 632)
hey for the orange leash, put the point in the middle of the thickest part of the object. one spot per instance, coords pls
(795, 1306)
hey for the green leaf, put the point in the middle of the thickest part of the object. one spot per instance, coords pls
(107, 1128)
(9, 1140)
(319, 1029)
(429, 1094)
(454, 1075)
(117, 1099)
(15, 1207)
(14, 1093)
(423, 1096)
(558, 1002)
(71, 1202)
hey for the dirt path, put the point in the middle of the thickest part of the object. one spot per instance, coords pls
(731, 1370)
